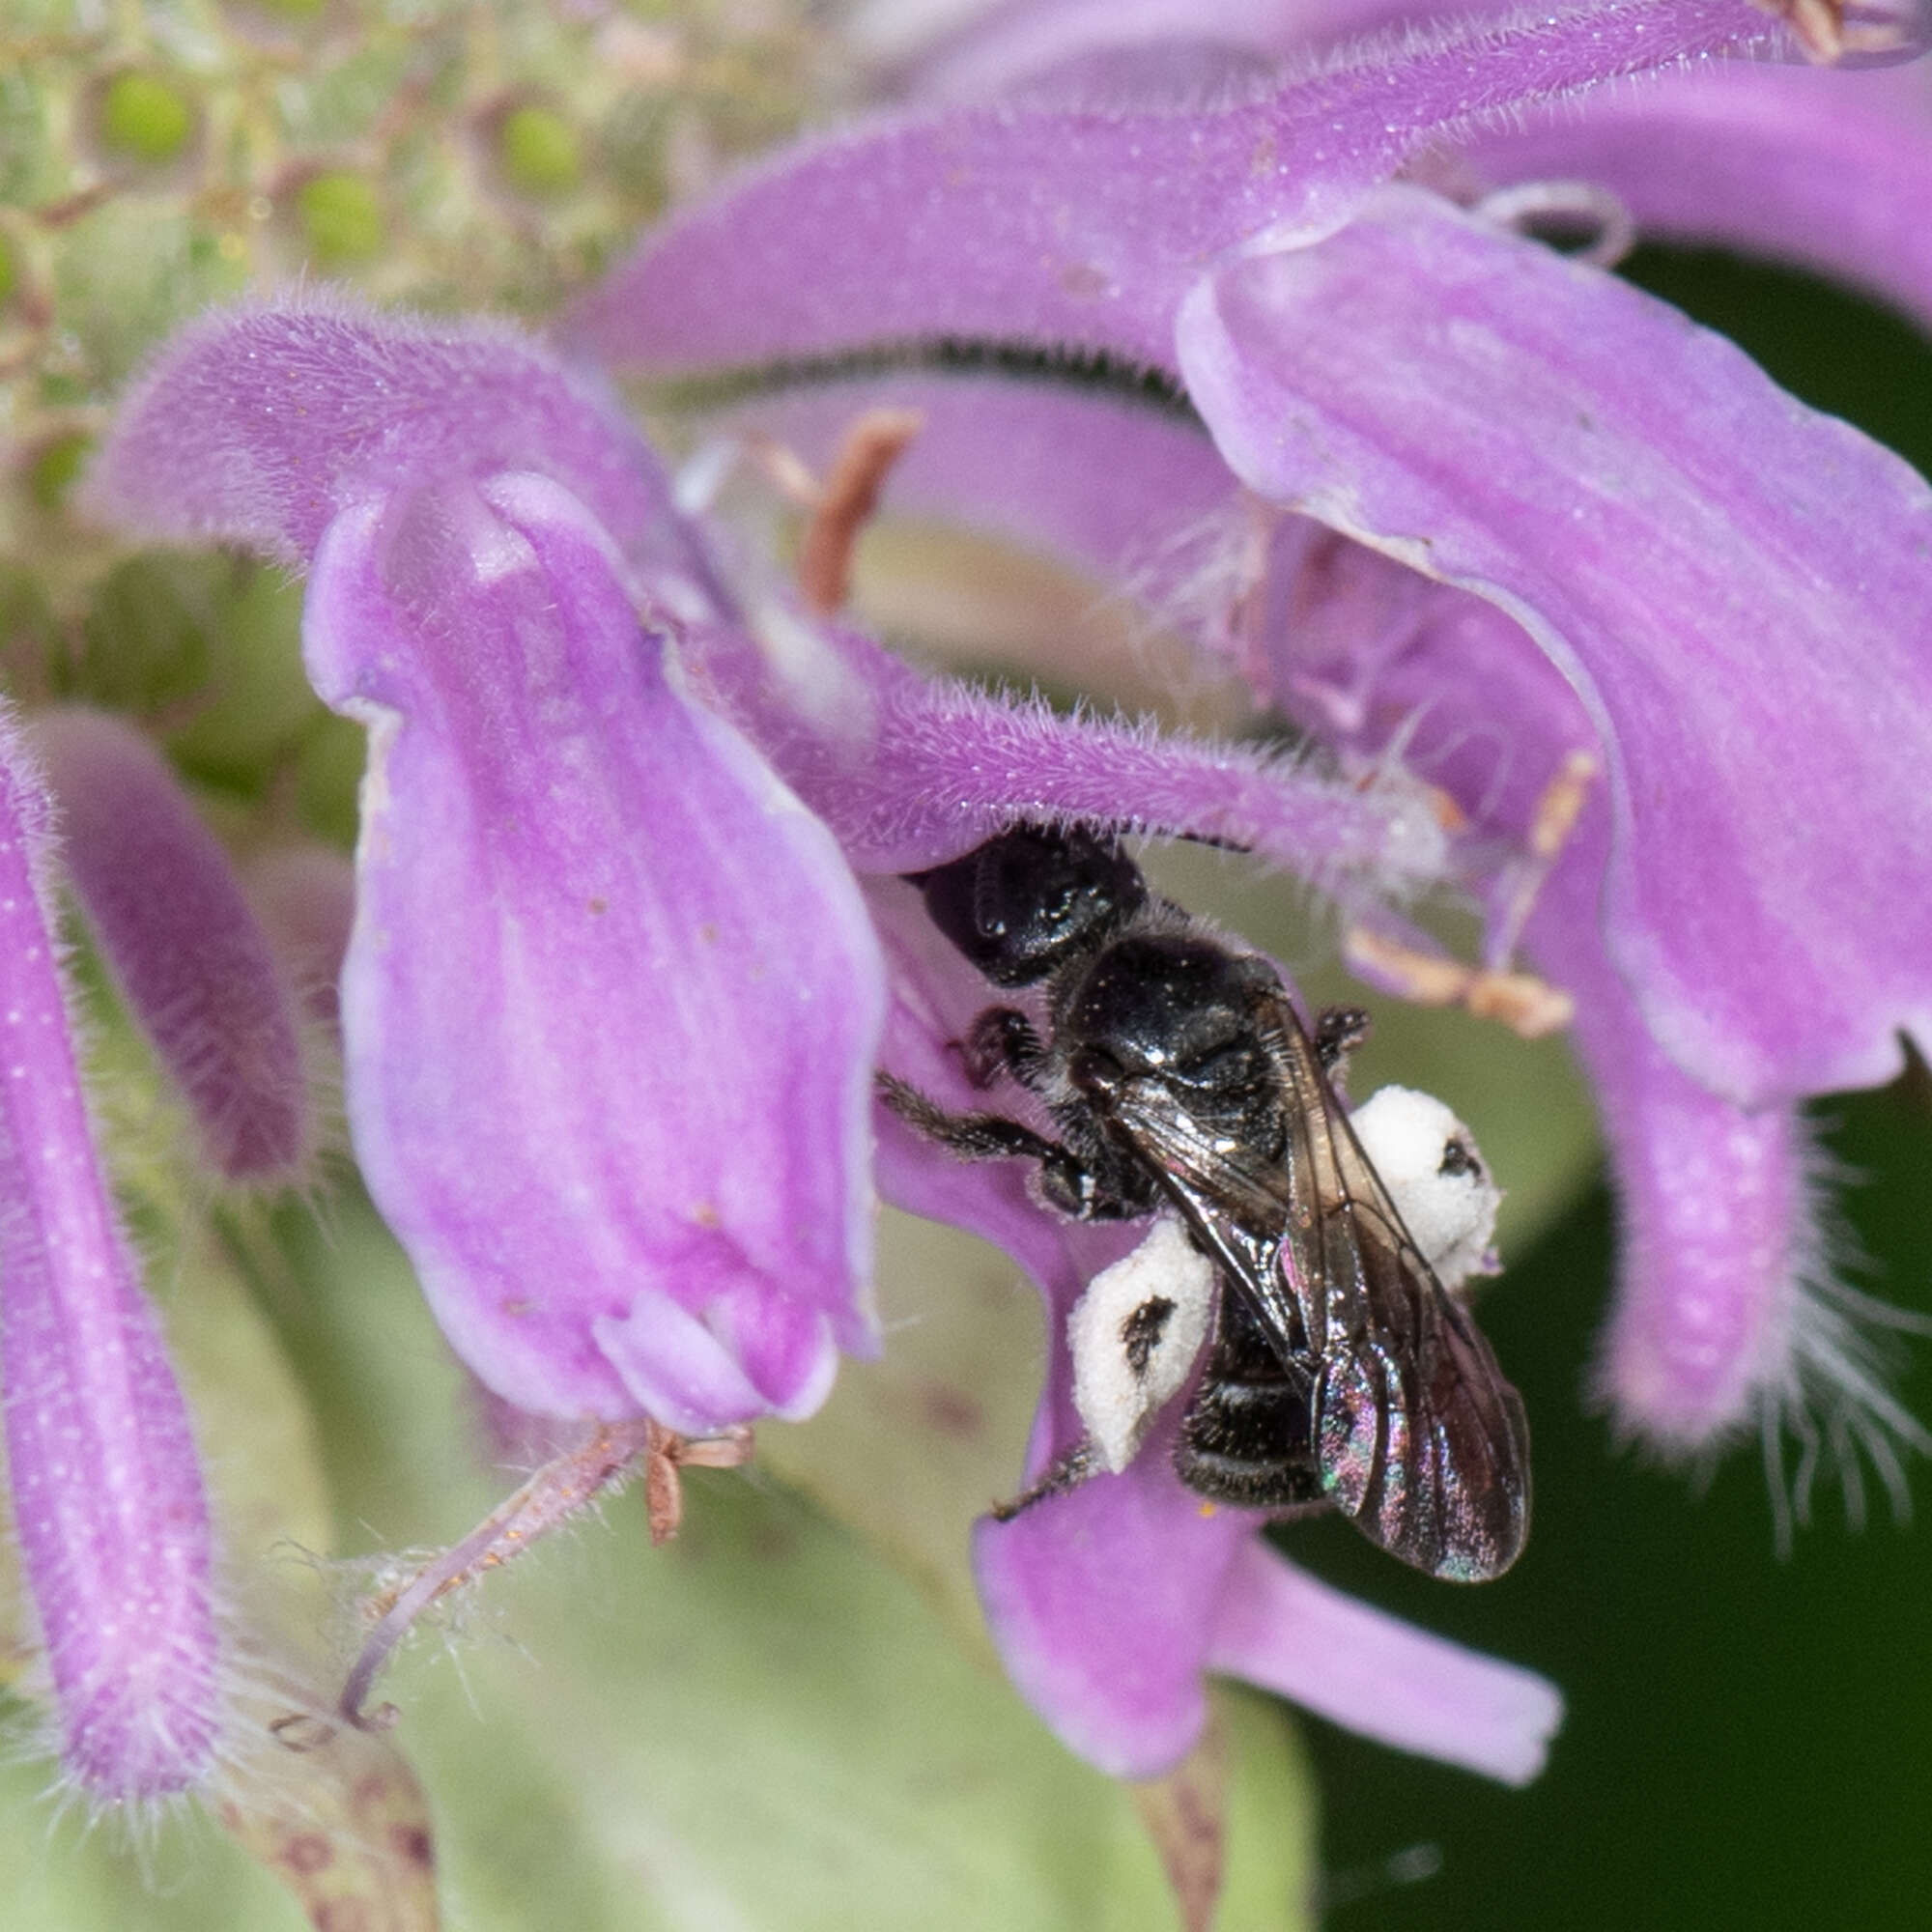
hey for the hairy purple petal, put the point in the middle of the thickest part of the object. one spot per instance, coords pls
(108, 1505)
(1361, 1667)
(258, 426)
(612, 1002)
(913, 771)
(1829, 170)
(1086, 227)
(1733, 585)
(194, 966)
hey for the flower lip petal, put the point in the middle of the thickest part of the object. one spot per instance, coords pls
(611, 1001)
(1278, 1627)
(1734, 587)
(1103, 1601)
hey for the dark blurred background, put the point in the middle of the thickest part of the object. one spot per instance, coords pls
(1749, 1738)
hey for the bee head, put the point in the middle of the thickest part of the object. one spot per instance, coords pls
(1023, 904)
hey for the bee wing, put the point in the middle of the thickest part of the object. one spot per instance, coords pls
(1237, 1204)
(1419, 1437)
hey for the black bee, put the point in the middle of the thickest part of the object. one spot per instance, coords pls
(1340, 1371)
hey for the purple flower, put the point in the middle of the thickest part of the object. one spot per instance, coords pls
(611, 1000)
(614, 998)
(1655, 629)
(107, 1500)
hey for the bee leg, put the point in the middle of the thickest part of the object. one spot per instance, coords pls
(1068, 1182)
(971, 1136)
(1338, 1032)
(1068, 1473)
(1002, 1041)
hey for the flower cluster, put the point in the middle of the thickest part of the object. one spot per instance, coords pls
(1485, 510)
(1588, 619)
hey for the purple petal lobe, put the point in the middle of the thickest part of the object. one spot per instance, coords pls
(678, 1370)
(258, 425)
(1358, 1666)
(612, 1002)
(108, 1505)
(184, 945)
(1085, 225)
(1103, 1602)
(1735, 587)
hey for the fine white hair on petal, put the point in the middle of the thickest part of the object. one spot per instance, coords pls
(1441, 1184)
(1830, 1383)
(1134, 1336)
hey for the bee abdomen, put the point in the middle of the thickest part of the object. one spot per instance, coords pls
(1247, 1442)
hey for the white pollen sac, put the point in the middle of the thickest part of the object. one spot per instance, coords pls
(1134, 1336)
(1439, 1182)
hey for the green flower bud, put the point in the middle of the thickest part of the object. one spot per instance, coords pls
(144, 118)
(539, 149)
(341, 217)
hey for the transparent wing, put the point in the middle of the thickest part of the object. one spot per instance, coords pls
(1419, 1437)
(1238, 1202)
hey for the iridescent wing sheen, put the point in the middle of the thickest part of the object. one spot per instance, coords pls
(1418, 1436)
